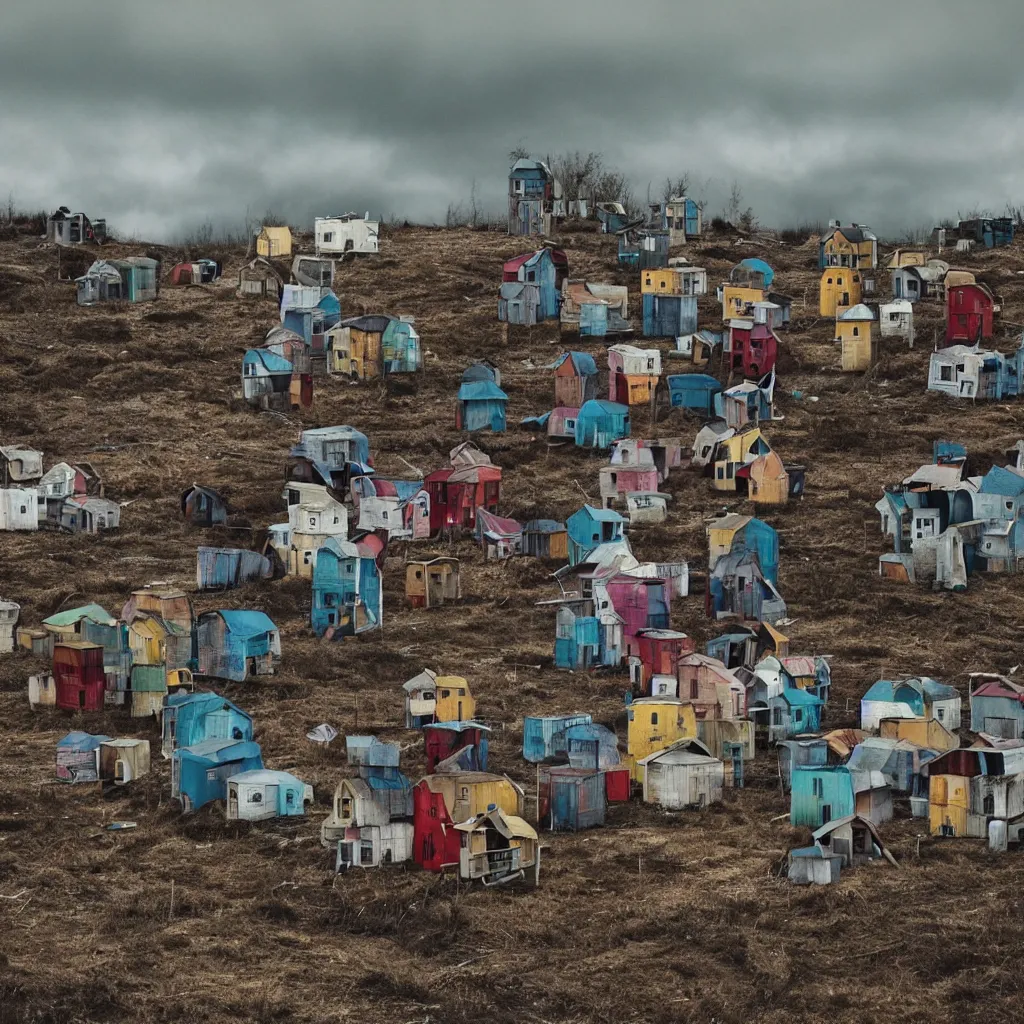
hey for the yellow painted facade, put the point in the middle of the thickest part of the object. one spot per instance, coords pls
(857, 338)
(147, 639)
(454, 701)
(736, 298)
(274, 241)
(923, 732)
(907, 258)
(354, 352)
(469, 793)
(655, 725)
(840, 289)
(948, 800)
(733, 453)
(639, 387)
(841, 252)
(769, 481)
(661, 282)
(720, 541)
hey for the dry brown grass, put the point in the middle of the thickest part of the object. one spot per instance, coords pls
(655, 918)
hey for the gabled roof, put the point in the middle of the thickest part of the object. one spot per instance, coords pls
(999, 686)
(582, 363)
(247, 623)
(601, 407)
(601, 515)
(73, 616)
(855, 233)
(270, 361)
(544, 526)
(481, 391)
(800, 698)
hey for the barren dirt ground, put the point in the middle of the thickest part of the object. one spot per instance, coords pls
(654, 918)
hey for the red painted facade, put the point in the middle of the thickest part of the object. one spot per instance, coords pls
(754, 349)
(455, 495)
(641, 604)
(442, 743)
(78, 676)
(659, 652)
(970, 309)
(617, 785)
(435, 841)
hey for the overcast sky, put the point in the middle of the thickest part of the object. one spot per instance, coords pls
(160, 116)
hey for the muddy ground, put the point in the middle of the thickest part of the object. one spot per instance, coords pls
(655, 918)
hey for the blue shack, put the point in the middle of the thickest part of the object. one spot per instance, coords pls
(796, 754)
(191, 718)
(694, 391)
(590, 527)
(793, 712)
(400, 347)
(237, 644)
(827, 792)
(753, 267)
(642, 248)
(336, 446)
(599, 423)
(577, 636)
(746, 402)
(537, 269)
(669, 316)
(200, 773)
(225, 568)
(544, 736)
(572, 798)
(346, 590)
(531, 187)
(480, 405)
(592, 746)
(990, 232)
(997, 706)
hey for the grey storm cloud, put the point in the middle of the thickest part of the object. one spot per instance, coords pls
(162, 116)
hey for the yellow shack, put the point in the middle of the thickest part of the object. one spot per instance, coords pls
(355, 346)
(655, 723)
(854, 246)
(923, 732)
(769, 481)
(855, 331)
(453, 701)
(733, 454)
(840, 289)
(738, 298)
(274, 241)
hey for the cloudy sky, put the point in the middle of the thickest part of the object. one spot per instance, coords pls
(161, 116)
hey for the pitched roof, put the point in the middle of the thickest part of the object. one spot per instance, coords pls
(481, 391)
(248, 623)
(74, 615)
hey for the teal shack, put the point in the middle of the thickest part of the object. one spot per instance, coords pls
(693, 391)
(346, 590)
(590, 527)
(237, 644)
(199, 774)
(824, 793)
(600, 423)
(191, 718)
(480, 405)
(577, 636)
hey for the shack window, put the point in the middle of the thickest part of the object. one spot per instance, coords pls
(776, 716)
(856, 332)
(945, 373)
(307, 557)
(24, 510)
(988, 805)
(328, 236)
(289, 797)
(654, 718)
(256, 798)
(531, 275)
(828, 280)
(694, 689)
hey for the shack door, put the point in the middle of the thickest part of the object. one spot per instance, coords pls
(435, 590)
(1004, 728)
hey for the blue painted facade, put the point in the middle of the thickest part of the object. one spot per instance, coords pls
(576, 799)
(593, 319)
(234, 644)
(669, 316)
(796, 754)
(592, 746)
(819, 788)
(990, 232)
(760, 539)
(545, 737)
(1002, 715)
(577, 639)
(590, 527)
(346, 590)
(401, 351)
(192, 718)
(225, 568)
(757, 266)
(481, 406)
(643, 249)
(694, 391)
(600, 422)
(794, 712)
(200, 773)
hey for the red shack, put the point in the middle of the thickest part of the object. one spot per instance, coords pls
(442, 801)
(753, 348)
(658, 652)
(970, 309)
(78, 676)
(442, 739)
(455, 495)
